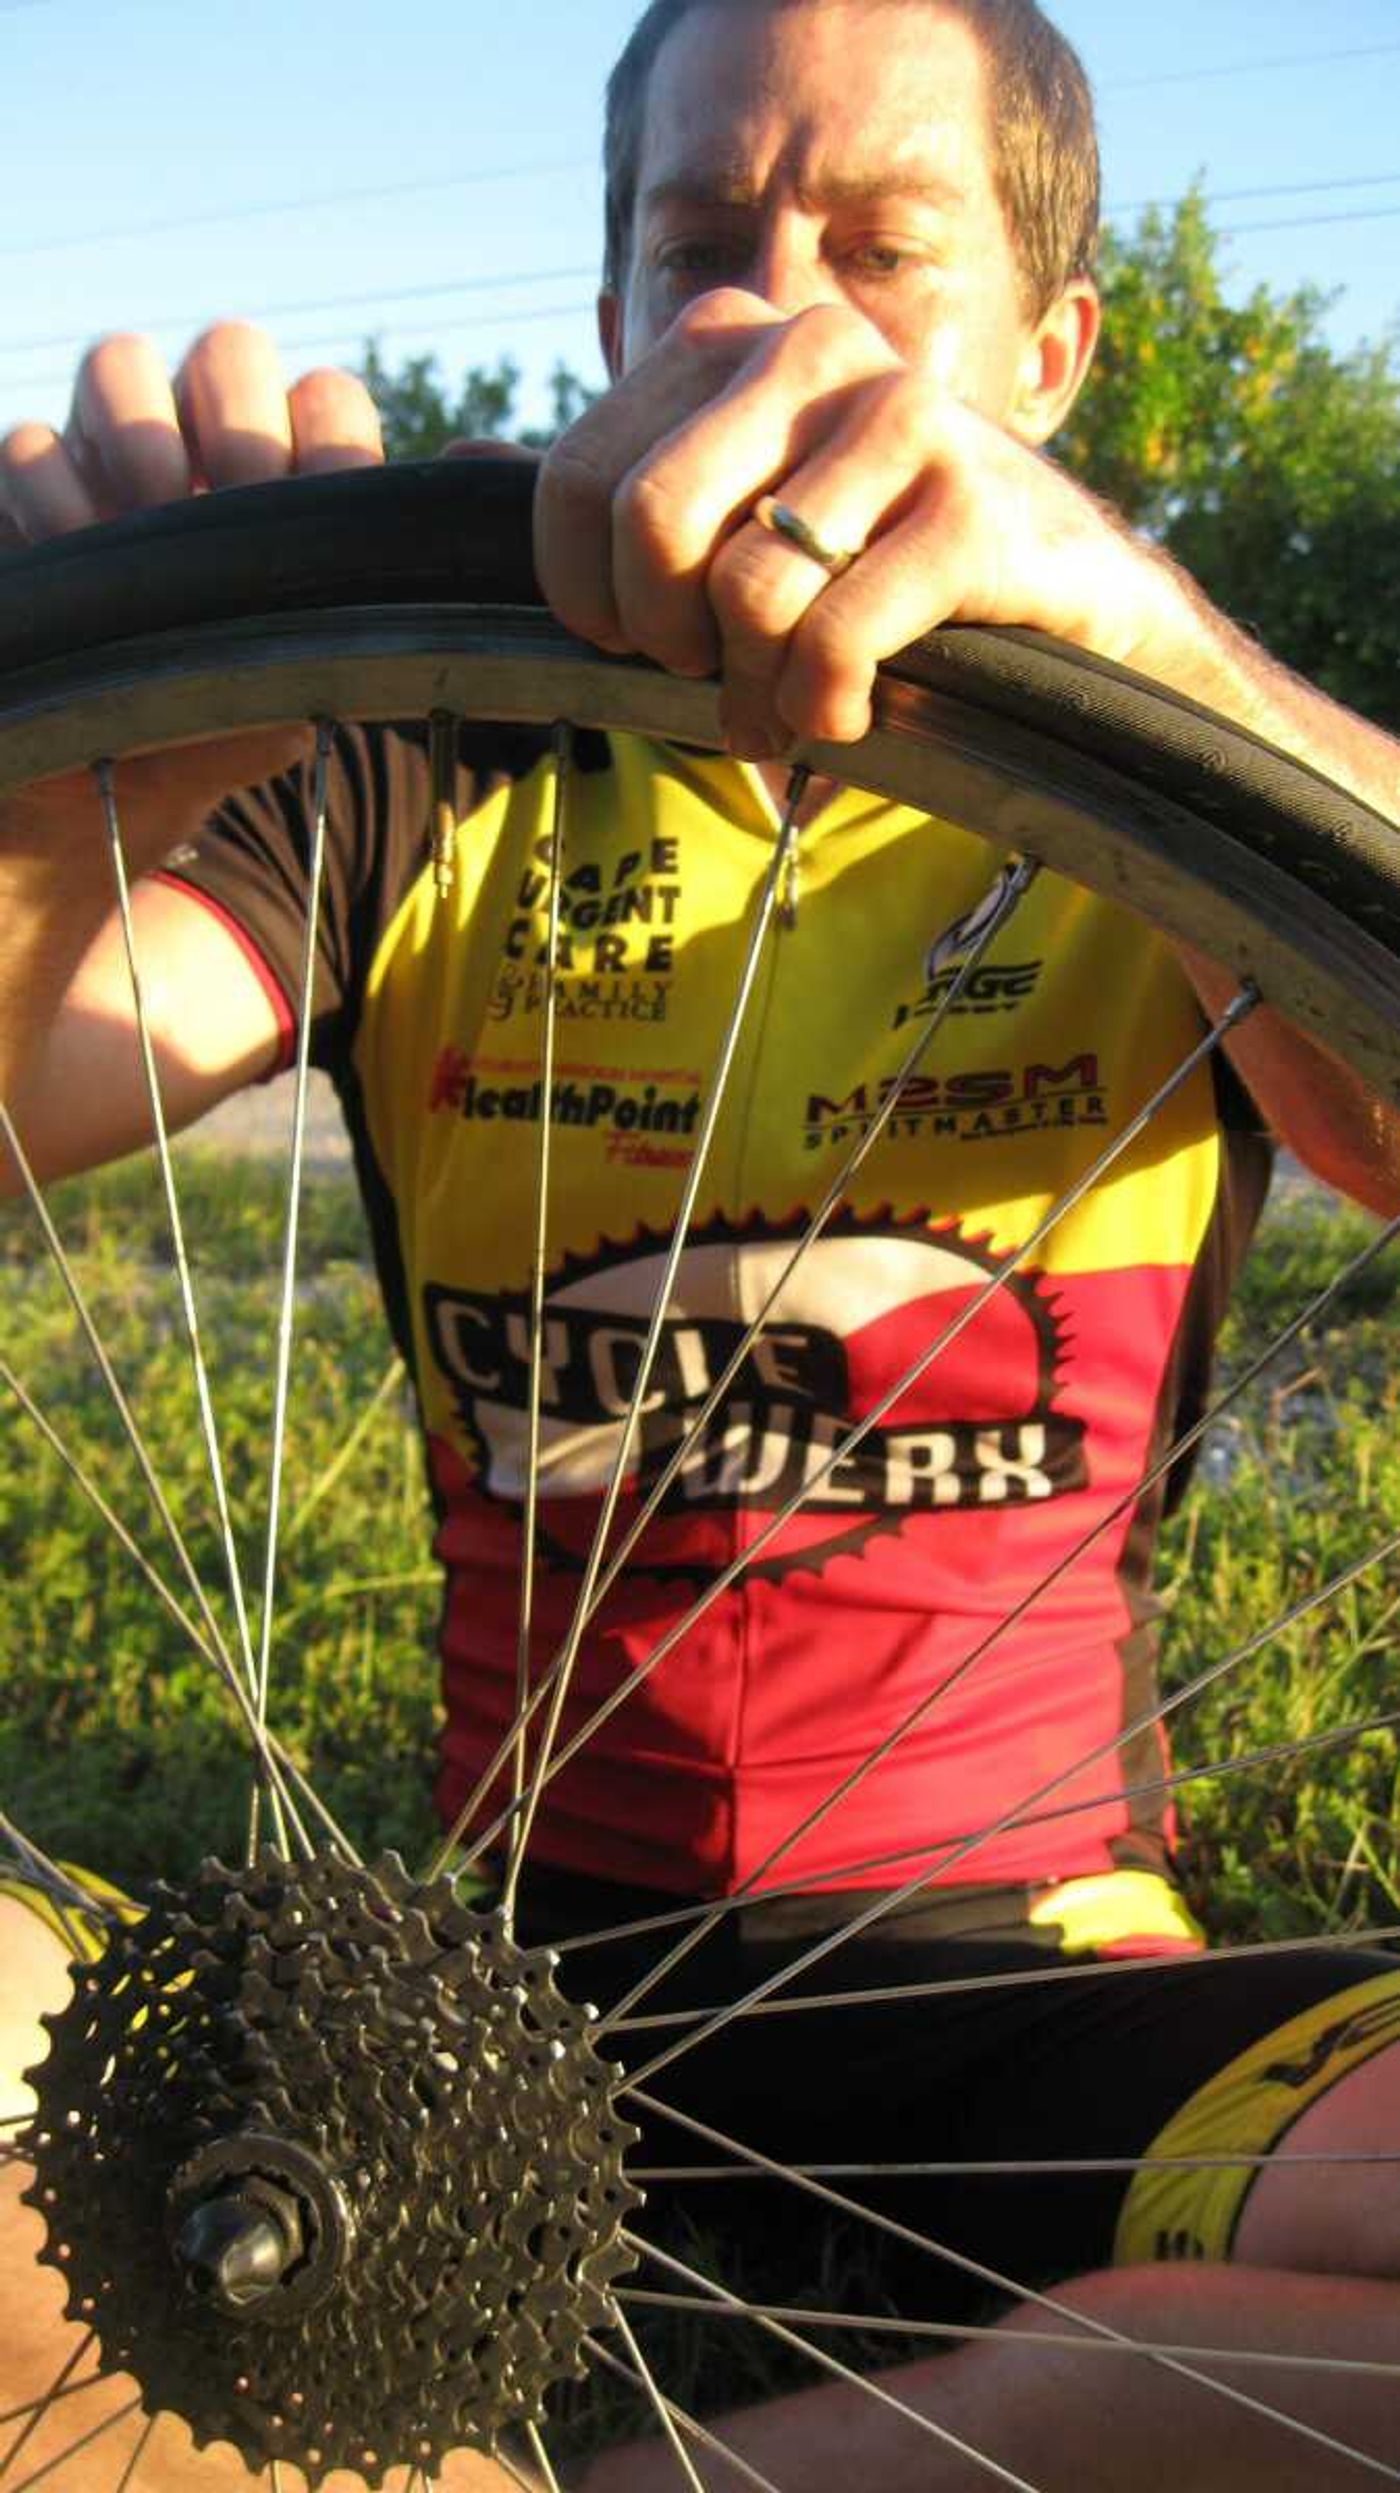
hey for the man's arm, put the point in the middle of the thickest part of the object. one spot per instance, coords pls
(644, 542)
(69, 1067)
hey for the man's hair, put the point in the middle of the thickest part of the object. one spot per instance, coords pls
(1045, 156)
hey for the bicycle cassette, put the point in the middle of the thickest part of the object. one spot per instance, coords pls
(330, 2166)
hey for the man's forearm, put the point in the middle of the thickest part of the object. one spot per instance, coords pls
(50, 910)
(1194, 649)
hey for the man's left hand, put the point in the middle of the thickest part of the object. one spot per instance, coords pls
(647, 540)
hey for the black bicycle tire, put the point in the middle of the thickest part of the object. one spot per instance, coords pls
(459, 532)
(1230, 845)
(402, 540)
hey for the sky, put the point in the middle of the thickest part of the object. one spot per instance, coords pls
(426, 172)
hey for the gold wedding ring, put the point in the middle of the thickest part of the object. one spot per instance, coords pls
(781, 520)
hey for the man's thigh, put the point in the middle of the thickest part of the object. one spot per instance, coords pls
(1078, 2116)
(1315, 2103)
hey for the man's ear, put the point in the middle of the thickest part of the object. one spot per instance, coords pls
(1055, 363)
(610, 332)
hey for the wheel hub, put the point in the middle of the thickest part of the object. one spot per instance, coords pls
(331, 2166)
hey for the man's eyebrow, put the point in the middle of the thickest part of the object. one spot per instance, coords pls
(716, 188)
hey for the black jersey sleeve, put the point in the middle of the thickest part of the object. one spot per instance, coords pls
(252, 860)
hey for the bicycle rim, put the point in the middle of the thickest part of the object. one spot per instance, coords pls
(406, 594)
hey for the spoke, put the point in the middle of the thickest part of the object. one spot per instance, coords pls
(988, 922)
(108, 2424)
(663, 2416)
(879, 2396)
(341, 1461)
(1183, 1445)
(143, 2444)
(689, 2424)
(946, 2332)
(1023, 2167)
(275, 1762)
(993, 2277)
(1054, 1970)
(563, 765)
(840, 1453)
(107, 792)
(540, 2455)
(51, 2397)
(286, 1314)
(559, 1677)
(42, 2405)
(1217, 1770)
(63, 1891)
(67, 1275)
(1144, 1722)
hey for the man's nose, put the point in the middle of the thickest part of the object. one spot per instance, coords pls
(788, 269)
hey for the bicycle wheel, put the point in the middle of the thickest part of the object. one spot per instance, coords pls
(407, 594)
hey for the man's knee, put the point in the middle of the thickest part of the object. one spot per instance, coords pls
(1312, 2208)
(34, 1979)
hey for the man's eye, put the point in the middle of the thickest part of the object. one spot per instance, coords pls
(883, 259)
(696, 259)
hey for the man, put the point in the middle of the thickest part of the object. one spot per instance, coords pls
(848, 272)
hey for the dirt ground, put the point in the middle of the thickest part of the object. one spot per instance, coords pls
(260, 1121)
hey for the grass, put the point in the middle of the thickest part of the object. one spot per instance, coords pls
(114, 1735)
(115, 1731)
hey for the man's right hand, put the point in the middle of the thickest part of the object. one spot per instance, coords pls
(136, 437)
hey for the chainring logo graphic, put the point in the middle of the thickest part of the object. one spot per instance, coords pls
(978, 1427)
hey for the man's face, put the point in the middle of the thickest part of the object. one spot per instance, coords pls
(834, 151)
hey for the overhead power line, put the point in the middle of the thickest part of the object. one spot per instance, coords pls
(1266, 190)
(289, 207)
(185, 321)
(335, 341)
(1291, 224)
(1246, 69)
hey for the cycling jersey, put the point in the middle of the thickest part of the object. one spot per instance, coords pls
(881, 1598)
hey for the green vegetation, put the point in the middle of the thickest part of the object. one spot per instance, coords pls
(1300, 1483)
(115, 1740)
(116, 1732)
(1268, 464)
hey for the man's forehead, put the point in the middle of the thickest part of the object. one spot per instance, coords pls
(849, 99)
(714, 182)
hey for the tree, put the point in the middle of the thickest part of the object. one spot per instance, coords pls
(1269, 465)
(420, 413)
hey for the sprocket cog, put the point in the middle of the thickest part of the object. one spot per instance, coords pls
(330, 2166)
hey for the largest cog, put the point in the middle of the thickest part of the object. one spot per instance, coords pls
(330, 2166)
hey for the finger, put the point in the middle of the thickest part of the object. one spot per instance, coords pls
(763, 585)
(912, 578)
(233, 409)
(123, 433)
(699, 484)
(335, 423)
(41, 492)
(585, 469)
